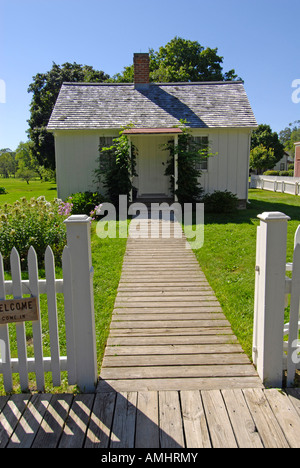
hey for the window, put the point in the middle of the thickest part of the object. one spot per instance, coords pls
(106, 157)
(202, 144)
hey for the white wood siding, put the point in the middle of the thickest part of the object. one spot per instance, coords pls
(228, 168)
(77, 153)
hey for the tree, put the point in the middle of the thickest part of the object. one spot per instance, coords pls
(45, 88)
(290, 135)
(7, 163)
(262, 158)
(25, 157)
(263, 136)
(182, 60)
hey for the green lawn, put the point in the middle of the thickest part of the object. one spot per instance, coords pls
(228, 256)
(17, 188)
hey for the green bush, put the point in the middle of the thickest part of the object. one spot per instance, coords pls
(271, 173)
(2, 190)
(36, 223)
(85, 202)
(284, 173)
(220, 202)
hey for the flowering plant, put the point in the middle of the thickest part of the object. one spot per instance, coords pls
(36, 222)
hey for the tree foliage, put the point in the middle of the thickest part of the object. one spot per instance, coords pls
(290, 135)
(262, 158)
(119, 168)
(264, 138)
(45, 89)
(182, 60)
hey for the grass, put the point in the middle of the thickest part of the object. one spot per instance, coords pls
(228, 256)
(17, 188)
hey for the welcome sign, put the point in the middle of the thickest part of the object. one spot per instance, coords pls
(19, 310)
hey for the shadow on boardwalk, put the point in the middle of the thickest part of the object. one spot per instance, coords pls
(244, 418)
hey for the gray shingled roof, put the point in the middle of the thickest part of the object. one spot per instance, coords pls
(113, 106)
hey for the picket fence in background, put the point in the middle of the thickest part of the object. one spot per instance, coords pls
(76, 286)
(290, 185)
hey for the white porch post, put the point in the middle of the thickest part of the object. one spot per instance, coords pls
(175, 168)
(270, 297)
(79, 243)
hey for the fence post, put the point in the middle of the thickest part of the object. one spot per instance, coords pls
(79, 245)
(270, 297)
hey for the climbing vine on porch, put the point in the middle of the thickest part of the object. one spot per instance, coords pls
(189, 153)
(116, 167)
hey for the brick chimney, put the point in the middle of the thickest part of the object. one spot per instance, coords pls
(141, 70)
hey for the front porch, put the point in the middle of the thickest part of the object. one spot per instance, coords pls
(151, 184)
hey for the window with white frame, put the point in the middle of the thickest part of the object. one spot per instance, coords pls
(202, 143)
(106, 157)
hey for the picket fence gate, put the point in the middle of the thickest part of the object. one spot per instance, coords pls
(272, 355)
(77, 289)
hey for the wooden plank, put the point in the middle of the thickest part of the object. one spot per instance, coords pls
(169, 310)
(134, 315)
(172, 340)
(177, 297)
(174, 360)
(75, 428)
(166, 304)
(175, 349)
(264, 418)
(30, 421)
(52, 316)
(139, 385)
(171, 431)
(123, 428)
(286, 415)
(169, 331)
(98, 434)
(220, 428)
(294, 396)
(4, 336)
(165, 323)
(20, 327)
(36, 325)
(147, 421)
(241, 419)
(184, 372)
(178, 294)
(194, 421)
(53, 422)
(10, 416)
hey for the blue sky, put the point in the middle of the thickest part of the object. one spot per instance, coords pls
(258, 38)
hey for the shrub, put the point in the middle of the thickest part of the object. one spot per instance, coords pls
(284, 173)
(2, 190)
(220, 202)
(271, 173)
(36, 223)
(85, 202)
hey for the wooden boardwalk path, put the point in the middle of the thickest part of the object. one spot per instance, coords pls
(231, 418)
(168, 331)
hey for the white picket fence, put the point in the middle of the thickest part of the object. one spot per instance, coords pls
(290, 185)
(77, 289)
(271, 354)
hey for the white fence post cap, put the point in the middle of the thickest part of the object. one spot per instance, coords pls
(78, 219)
(273, 216)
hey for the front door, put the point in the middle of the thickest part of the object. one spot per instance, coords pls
(151, 166)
